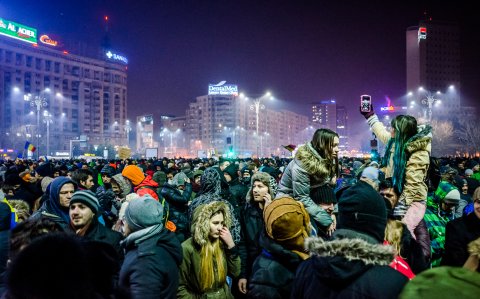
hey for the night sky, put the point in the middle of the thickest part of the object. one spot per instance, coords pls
(301, 51)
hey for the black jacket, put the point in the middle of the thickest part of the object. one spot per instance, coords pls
(150, 270)
(273, 271)
(178, 205)
(98, 232)
(459, 233)
(348, 268)
(251, 221)
(238, 193)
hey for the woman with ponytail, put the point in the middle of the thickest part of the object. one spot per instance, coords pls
(406, 161)
(209, 255)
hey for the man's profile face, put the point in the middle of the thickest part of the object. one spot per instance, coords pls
(88, 184)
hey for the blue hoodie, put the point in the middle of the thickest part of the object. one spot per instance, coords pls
(52, 204)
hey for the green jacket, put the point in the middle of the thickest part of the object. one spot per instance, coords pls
(189, 284)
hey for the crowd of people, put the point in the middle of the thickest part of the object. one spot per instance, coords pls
(312, 226)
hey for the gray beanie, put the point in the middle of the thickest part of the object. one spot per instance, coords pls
(86, 197)
(179, 179)
(143, 212)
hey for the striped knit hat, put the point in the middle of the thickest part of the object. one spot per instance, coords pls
(86, 197)
(447, 192)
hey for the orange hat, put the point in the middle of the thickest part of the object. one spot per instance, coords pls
(134, 174)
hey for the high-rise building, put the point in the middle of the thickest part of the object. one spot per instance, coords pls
(85, 96)
(144, 131)
(324, 114)
(433, 63)
(342, 127)
(227, 123)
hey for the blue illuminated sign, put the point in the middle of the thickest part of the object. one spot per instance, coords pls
(116, 57)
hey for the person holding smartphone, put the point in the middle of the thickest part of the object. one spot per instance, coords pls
(406, 161)
(258, 197)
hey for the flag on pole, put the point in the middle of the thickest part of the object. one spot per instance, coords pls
(290, 147)
(30, 147)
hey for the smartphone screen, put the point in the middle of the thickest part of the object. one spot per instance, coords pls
(366, 103)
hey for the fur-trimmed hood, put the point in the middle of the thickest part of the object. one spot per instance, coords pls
(311, 161)
(421, 141)
(201, 220)
(342, 260)
(267, 180)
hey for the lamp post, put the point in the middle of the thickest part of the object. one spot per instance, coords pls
(429, 100)
(37, 101)
(47, 118)
(257, 106)
(128, 128)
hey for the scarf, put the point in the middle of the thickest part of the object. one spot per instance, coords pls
(141, 235)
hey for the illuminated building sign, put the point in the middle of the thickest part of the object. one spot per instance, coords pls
(116, 57)
(44, 39)
(18, 31)
(392, 108)
(222, 89)
(422, 33)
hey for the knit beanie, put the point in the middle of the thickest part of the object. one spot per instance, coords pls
(87, 198)
(371, 173)
(134, 174)
(287, 222)
(445, 188)
(160, 177)
(362, 209)
(453, 196)
(108, 170)
(323, 194)
(442, 281)
(143, 212)
(468, 172)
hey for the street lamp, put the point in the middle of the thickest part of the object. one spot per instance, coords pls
(429, 100)
(257, 106)
(128, 128)
(37, 101)
(47, 118)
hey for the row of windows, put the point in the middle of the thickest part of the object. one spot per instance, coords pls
(56, 67)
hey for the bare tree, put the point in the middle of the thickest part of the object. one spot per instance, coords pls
(469, 135)
(442, 137)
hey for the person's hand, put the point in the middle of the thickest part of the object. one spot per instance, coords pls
(187, 180)
(367, 115)
(242, 285)
(332, 226)
(268, 199)
(226, 237)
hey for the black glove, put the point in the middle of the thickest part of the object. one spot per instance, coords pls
(105, 199)
(367, 115)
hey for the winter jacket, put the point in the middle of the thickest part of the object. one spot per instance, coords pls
(418, 149)
(51, 208)
(348, 268)
(306, 171)
(238, 193)
(98, 232)
(252, 225)
(273, 271)
(150, 269)
(147, 186)
(459, 233)
(436, 220)
(178, 205)
(190, 270)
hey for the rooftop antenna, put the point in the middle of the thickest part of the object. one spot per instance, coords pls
(106, 44)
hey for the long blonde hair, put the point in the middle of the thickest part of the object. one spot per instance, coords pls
(393, 234)
(212, 263)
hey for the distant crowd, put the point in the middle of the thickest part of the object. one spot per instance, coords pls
(313, 226)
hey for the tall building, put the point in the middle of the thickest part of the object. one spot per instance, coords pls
(144, 130)
(227, 124)
(324, 114)
(342, 127)
(85, 96)
(433, 62)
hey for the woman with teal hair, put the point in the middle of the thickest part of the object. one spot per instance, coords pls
(406, 161)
